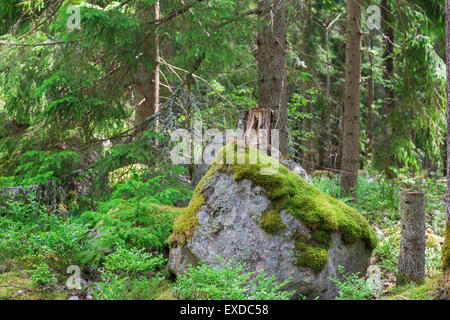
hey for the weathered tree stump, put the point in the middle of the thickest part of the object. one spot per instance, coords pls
(411, 265)
(257, 127)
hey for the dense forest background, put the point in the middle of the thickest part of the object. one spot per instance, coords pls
(91, 91)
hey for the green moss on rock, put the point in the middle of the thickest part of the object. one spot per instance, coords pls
(271, 222)
(288, 192)
(313, 208)
(322, 237)
(314, 258)
(184, 225)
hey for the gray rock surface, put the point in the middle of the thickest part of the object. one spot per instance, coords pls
(295, 168)
(229, 228)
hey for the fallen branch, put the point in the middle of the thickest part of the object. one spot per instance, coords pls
(199, 78)
(131, 133)
(174, 13)
(439, 292)
(240, 15)
(17, 287)
(8, 44)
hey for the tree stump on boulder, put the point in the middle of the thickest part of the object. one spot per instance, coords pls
(257, 130)
(257, 126)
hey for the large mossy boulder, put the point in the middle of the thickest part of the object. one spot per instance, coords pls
(277, 222)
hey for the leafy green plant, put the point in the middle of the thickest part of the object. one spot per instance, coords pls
(352, 286)
(114, 287)
(111, 288)
(134, 214)
(41, 276)
(13, 240)
(38, 167)
(375, 195)
(25, 210)
(21, 219)
(130, 273)
(28, 229)
(231, 281)
(329, 186)
(64, 239)
(433, 260)
(388, 252)
(130, 261)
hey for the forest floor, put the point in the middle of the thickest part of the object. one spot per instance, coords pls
(34, 264)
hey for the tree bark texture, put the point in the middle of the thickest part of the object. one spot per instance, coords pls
(147, 76)
(310, 51)
(271, 57)
(446, 246)
(389, 103)
(411, 263)
(350, 151)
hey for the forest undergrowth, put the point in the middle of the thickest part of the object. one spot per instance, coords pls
(120, 249)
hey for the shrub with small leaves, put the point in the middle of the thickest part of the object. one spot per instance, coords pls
(114, 287)
(130, 261)
(231, 281)
(388, 252)
(352, 286)
(130, 273)
(134, 214)
(41, 276)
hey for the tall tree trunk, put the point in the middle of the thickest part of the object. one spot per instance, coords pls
(309, 163)
(321, 142)
(309, 49)
(388, 66)
(370, 102)
(147, 79)
(350, 151)
(271, 57)
(446, 246)
(330, 110)
(329, 163)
